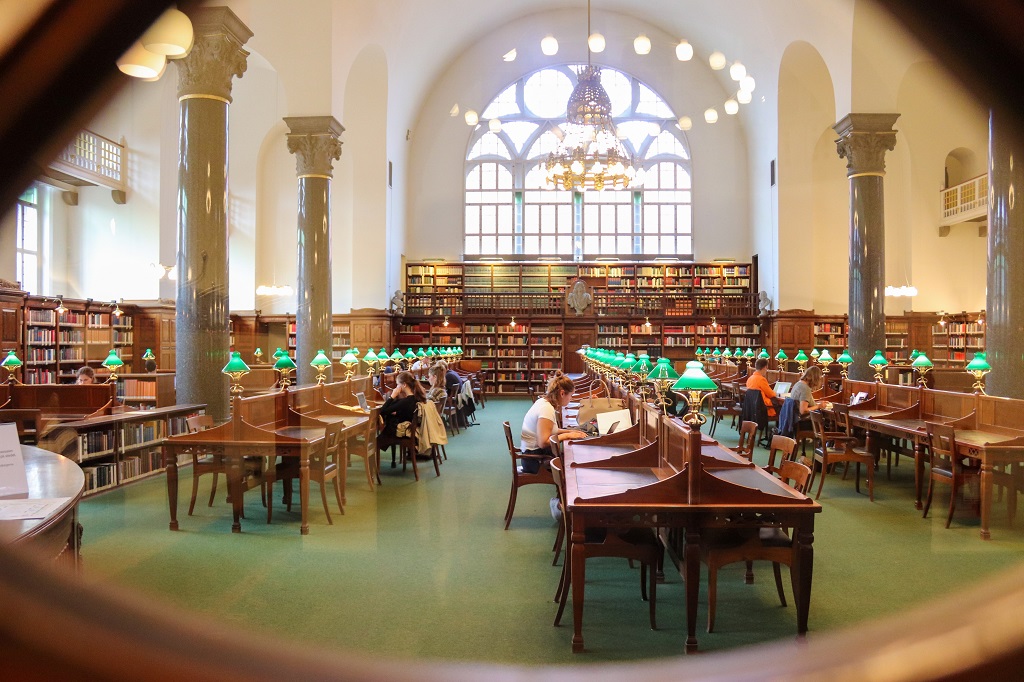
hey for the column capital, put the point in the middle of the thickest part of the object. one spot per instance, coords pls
(216, 54)
(863, 141)
(314, 141)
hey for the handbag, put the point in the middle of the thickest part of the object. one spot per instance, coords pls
(591, 407)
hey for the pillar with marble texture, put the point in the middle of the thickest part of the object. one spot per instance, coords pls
(204, 93)
(863, 141)
(1004, 305)
(314, 141)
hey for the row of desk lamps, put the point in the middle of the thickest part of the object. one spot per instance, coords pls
(636, 372)
(375, 362)
(113, 363)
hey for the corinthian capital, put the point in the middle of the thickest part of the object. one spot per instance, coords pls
(216, 55)
(863, 141)
(314, 141)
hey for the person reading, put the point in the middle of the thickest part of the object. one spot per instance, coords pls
(541, 423)
(86, 375)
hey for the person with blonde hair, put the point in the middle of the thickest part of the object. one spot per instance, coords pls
(803, 390)
(541, 422)
(437, 390)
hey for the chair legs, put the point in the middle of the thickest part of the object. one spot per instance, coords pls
(511, 504)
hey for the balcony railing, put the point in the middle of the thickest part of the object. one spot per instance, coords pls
(94, 159)
(966, 201)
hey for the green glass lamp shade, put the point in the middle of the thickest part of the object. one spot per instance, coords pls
(815, 353)
(716, 353)
(738, 353)
(148, 355)
(749, 353)
(285, 362)
(278, 353)
(409, 355)
(781, 355)
(370, 357)
(258, 351)
(663, 371)
(430, 352)
(11, 361)
(397, 356)
(642, 366)
(699, 352)
(913, 355)
(236, 365)
(763, 355)
(845, 358)
(320, 360)
(421, 353)
(349, 359)
(356, 351)
(878, 360)
(112, 361)
(978, 364)
(825, 356)
(921, 361)
(694, 379)
(801, 356)
(727, 353)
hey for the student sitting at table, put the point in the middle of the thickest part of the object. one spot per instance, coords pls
(437, 390)
(86, 375)
(759, 381)
(541, 423)
(401, 404)
(803, 390)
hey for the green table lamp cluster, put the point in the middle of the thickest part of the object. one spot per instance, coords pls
(979, 367)
(11, 363)
(112, 363)
(694, 382)
(236, 369)
(879, 363)
(922, 365)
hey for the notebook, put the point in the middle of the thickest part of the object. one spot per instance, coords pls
(859, 398)
(609, 422)
(361, 399)
(781, 388)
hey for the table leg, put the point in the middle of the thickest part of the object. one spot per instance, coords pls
(576, 580)
(801, 572)
(236, 473)
(918, 473)
(691, 569)
(986, 499)
(304, 490)
(343, 474)
(171, 462)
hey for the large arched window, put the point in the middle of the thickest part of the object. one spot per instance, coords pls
(511, 211)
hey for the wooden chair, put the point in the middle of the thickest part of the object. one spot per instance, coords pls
(769, 543)
(407, 446)
(365, 446)
(519, 478)
(748, 432)
(827, 456)
(441, 407)
(779, 446)
(412, 454)
(725, 404)
(29, 423)
(449, 412)
(203, 464)
(633, 544)
(324, 467)
(946, 466)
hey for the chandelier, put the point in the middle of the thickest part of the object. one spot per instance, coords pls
(590, 155)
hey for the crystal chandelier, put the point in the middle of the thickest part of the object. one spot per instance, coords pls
(590, 155)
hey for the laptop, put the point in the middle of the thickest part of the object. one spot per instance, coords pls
(781, 388)
(610, 422)
(361, 399)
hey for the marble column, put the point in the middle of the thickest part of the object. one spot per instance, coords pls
(314, 141)
(1004, 305)
(204, 92)
(863, 141)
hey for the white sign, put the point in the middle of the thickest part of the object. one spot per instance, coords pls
(13, 480)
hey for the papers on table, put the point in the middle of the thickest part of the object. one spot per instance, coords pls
(609, 422)
(20, 510)
(13, 480)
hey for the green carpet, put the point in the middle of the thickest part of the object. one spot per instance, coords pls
(424, 569)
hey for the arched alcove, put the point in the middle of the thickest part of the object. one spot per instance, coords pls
(961, 165)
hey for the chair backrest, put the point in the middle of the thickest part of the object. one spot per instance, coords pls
(441, 404)
(780, 445)
(199, 422)
(748, 431)
(512, 449)
(842, 413)
(941, 440)
(797, 475)
(819, 428)
(333, 440)
(754, 408)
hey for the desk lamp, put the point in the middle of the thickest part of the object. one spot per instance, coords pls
(922, 365)
(825, 359)
(639, 371)
(421, 353)
(350, 360)
(699, 353)
(278, 353)
(148, 355)
(320, 363)
(879, 363)
(693, 382)
(398, 358)
(815, 354)
(284, 367)
(624, 371)
(11, 363)
(113, 363)
(801, 360)
(913, 355)
(737, 354)
(763, 355)
(258, 355)
(979, 367)
(410, 357)
(236, 369)
(371, 363)
(727, 355)
(663, 376)
(845, 360)
(782, 358)
(748, 355)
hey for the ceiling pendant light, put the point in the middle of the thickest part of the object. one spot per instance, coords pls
(494, 125)
(595, 42)
(747, 83)
(684, 51)
(549, 45)
(743, 97)
(716, 60)
(737, 71)
(171, 35)
(472, 118)
(711, 115)
(140, 62)
(642, 44)
(685, 123)
(731, 106)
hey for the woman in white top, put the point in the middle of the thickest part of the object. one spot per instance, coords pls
(541, 422)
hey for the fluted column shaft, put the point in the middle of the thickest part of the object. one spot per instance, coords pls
(1004, 336)
(863, 141)
(204, 92)
(314, 141)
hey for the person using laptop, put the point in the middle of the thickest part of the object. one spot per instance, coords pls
(541, 422)
(759, 381)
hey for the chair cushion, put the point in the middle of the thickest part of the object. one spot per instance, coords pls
(774, 537)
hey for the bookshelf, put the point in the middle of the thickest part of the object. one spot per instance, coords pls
(830, 333)
(480, 344)
(512, 354)
(341, 339)
(545, 352)
(956, 342)
(897, 340)
(146, 391)
(434, 289)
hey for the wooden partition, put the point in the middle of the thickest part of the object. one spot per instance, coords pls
(947, 404)
(1001, 413)
(58, 400)
(898, 397)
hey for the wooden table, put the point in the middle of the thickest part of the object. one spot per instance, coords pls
(705, 486)
(57, 536)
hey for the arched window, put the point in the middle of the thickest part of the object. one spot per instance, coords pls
(512, 212)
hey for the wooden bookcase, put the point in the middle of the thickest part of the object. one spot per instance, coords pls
(512, 360)
(830, 333)
(146, 391)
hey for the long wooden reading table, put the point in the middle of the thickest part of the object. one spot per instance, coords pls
(683, 480)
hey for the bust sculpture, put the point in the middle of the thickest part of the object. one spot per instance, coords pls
(764, 303)
(578, 297)
(398, 302)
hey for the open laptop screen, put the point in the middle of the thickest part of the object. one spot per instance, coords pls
(781, 388)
